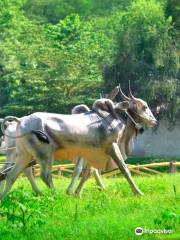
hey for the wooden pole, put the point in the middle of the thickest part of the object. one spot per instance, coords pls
(172, 167)
(59, 171)
(150, 170)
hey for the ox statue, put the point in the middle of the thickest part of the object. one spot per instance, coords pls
(8, 144)
(93, 135)
(136, 114)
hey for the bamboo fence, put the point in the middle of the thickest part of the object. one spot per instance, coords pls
(144, 169)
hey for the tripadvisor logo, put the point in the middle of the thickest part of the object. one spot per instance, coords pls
(138, 231)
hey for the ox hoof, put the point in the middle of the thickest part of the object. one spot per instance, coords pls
(39, 193)
(100, 189)
(69, 192)
(138, 193)
(77, 195)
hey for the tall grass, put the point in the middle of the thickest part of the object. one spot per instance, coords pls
(111, 214)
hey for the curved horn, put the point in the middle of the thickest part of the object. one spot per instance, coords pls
(122, 94)
(130, 93)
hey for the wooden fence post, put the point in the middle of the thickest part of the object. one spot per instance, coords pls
(137, 164)
(172, 167)
(59, 171)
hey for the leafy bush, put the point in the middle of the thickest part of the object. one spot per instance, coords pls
(168, 220)
(23, 210)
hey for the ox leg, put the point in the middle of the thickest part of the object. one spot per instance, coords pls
(2, 184)
(85, 176)
(43, 153)
(11, 155)
(117, 157)
(29, 174)
(13, 174)
(98, 179)
(46, 167)
(76, 173)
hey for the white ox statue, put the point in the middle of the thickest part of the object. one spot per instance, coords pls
(8, 144)
(93, 135)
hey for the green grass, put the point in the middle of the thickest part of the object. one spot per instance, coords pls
(112, 214)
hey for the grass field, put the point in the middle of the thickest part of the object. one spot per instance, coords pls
(112, 214)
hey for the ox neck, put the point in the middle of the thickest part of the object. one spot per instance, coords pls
(125, 142)
(138, 127)
(130, 129)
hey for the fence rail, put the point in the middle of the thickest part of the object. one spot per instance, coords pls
(144, 169)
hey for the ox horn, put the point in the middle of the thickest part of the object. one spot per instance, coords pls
(130, 93)
(123, 95)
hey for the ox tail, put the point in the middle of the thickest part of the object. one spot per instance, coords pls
(6, 120)
(41, 136)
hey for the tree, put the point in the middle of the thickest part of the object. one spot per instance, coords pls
(57, 53)
(147, 55)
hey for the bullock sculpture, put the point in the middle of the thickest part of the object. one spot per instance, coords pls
(9, 143)
(136, 114)
(93, 135)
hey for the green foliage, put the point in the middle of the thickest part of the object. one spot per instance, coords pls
(65, 31)
(147, 54)
(168, 219)
(56, 54)
(53, 10)
(21, 210)
(59, 69)
(172, 9)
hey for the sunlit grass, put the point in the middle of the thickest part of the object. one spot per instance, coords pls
(111, 214)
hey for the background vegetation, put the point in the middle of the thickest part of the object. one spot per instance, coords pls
(58, 53)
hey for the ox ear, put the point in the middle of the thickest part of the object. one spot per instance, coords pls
(123, 106)
(113, 93)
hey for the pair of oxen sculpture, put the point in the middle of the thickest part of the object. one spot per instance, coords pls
(99, 137)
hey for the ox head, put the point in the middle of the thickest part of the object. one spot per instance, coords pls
(138, 109)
